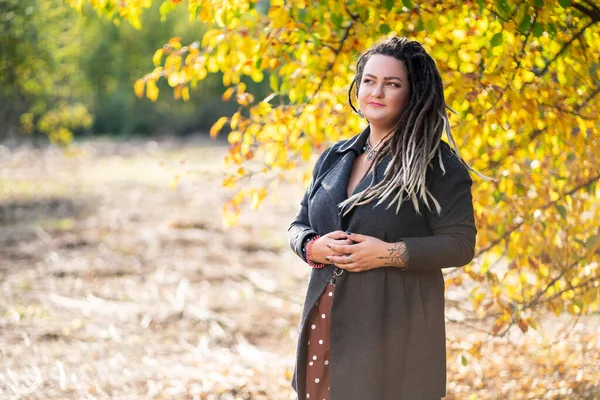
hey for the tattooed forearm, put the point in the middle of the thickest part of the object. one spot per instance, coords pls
(397, 255)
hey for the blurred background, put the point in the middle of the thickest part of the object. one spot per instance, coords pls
(67, 72)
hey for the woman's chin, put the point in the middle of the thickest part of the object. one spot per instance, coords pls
(380, 120)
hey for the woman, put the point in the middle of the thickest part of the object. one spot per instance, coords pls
(384, 213)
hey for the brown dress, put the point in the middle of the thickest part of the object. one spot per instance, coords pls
(317, 363)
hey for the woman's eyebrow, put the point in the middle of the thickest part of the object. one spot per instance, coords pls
(385, 77)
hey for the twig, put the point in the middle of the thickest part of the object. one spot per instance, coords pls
(564, 48)
(548, 204)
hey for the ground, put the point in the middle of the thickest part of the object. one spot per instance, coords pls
(115, 285)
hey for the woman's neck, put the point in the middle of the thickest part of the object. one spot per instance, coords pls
(378, 133)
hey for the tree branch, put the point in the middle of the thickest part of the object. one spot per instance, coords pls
(547, 205)
(536, 132)
(594, 13)
(565, 47)
(564, 110)
(337, 52)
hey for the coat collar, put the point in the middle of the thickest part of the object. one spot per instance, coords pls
(357, 143)
(335, 182)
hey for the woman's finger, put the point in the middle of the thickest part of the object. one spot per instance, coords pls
(342, 248)
(341, 261)
(355, 237)
(337, 235)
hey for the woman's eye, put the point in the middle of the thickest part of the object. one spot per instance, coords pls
(393, 84)
(367, 81)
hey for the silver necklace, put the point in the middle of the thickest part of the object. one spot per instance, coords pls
(371, 150)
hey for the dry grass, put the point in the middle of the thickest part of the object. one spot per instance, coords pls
(114, 286)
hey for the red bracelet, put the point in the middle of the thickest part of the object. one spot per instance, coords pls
(308, 251)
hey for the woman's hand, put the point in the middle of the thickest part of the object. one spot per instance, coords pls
(368, 252)
(321, 249)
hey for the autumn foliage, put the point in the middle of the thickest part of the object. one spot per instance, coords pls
(522, 77)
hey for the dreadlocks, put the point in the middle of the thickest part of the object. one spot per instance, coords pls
(415, 140)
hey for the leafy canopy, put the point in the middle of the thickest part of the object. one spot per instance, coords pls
(522, 75)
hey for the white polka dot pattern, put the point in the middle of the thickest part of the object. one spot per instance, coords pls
(317, 372)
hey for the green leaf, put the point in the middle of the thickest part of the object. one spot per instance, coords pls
(591, 242)
(562, 211)
(501, 229)
(498, 196)
(384, 28)
(463, 360)
(389, 4)
(263, 6)
(496, 39)
(420, 27)
(503, 7)
(539, 3)
(551, 29)
(430, 25)
(337, 19)
(564, 3)
(525, 23)
(594, 69)
(538, 29)
(302, 14)
(408, 4)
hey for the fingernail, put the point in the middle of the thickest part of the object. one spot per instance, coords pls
(348, 233)
(327, 258)
(329, 246)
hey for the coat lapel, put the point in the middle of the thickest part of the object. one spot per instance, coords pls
(336, 181)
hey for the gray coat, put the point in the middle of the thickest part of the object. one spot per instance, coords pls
(387, 325)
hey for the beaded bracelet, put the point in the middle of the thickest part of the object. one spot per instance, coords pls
(308, 251)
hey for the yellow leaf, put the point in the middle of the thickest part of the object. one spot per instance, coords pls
(227, 94)
(235, 120)
(229, 182)
(151, 90)
(174, 182)
(138, 87)
(216, 128)
(157, 58)
(175, 43)
(255, 200)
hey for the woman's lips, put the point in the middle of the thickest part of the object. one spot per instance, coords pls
(375, 104)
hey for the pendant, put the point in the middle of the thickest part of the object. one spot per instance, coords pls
(370, 155)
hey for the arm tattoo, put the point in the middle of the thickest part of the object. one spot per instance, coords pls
(397, 257)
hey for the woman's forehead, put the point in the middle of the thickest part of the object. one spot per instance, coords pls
(381, 65)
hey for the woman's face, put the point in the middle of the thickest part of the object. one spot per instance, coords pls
(384, 90)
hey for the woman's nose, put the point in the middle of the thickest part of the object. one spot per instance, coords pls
(377, 91)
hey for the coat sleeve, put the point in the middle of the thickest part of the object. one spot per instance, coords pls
(452, 243)
(300, 227)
